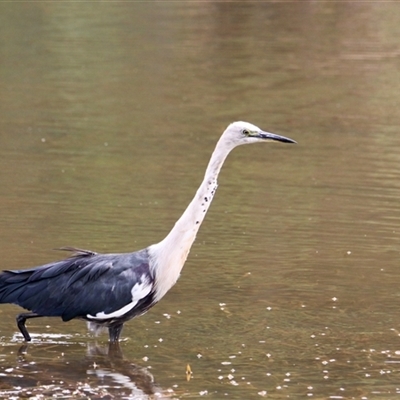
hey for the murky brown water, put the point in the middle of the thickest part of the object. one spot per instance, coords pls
(108, 114)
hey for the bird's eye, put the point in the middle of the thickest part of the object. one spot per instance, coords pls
(246, 132)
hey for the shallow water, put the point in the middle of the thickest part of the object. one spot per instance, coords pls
(108, 116)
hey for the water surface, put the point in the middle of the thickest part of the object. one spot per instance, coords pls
(109, 114)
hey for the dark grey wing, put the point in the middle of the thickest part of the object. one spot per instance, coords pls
(29, 288)
(86, 284)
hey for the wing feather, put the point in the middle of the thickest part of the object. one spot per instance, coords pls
(84, 284)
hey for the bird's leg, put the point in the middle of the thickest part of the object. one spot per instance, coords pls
(114, 350)
(21, 319)
(114, 332)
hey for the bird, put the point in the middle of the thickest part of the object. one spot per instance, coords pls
(107, 290)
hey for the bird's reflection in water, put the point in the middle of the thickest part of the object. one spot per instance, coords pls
(54, 370)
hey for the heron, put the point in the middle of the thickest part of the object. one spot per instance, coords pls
(106, 290)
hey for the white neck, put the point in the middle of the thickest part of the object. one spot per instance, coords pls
(169, 256)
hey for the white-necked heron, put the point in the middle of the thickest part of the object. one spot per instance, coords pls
(109, 289)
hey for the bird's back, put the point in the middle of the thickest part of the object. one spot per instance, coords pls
(85, 284)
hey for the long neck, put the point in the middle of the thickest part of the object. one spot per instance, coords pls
(170, 254)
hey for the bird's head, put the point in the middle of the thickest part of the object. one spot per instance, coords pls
(241, 132)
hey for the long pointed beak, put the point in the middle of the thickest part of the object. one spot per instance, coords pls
(272, 136)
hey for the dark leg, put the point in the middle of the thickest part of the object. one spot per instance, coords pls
(114, 350)
(114, 332)
(21, 319)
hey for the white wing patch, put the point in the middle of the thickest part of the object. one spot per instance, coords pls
(139, 291)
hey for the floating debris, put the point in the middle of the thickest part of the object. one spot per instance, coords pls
(189, 373)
